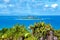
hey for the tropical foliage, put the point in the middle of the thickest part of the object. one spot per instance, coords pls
(19, 32)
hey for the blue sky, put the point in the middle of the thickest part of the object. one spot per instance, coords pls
(29, 7)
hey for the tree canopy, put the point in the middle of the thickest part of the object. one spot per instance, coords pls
(18, 31)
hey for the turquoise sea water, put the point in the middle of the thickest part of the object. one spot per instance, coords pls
(9, 21)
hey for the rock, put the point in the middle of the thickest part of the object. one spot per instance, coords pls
(55, 38)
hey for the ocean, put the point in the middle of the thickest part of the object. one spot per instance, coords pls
(10, 21)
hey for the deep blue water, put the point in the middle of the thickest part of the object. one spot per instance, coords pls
(9, 21)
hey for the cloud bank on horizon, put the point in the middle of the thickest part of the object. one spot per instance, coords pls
(29, 7)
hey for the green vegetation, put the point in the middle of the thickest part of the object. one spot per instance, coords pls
(19, 32)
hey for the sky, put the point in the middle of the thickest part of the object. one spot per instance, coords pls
(29, 7)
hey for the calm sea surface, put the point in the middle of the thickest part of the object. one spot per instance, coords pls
(9, 21)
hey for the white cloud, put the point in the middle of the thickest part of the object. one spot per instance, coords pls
(46, 6)
(7, 1)
(54, 5)
(11, 5)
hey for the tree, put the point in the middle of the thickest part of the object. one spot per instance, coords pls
(40, 29)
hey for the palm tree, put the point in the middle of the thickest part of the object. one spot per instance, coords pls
(19, 31)
(40, 29)
(57, 34)
(3, 31)
(36, 29)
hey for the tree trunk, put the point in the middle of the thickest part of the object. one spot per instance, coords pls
(42, 38)
(21, 38)
(50, 36)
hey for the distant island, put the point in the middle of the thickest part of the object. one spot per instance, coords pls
(29, 17)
